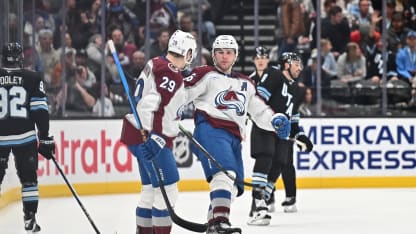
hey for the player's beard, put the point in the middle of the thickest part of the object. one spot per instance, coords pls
(224, 68)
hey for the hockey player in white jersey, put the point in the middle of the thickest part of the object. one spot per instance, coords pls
(160, 96)
(222, 100)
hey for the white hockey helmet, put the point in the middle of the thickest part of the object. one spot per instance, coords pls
(180, 43)
(225, 42)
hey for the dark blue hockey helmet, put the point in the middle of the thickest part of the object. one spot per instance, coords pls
(261, 51)
(12, 54)
(289, 57)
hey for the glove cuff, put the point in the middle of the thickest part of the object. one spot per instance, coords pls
(43, 135)
(278, 114)
(158, 139)
(299, 134)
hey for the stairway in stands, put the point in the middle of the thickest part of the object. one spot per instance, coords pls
(243, 30)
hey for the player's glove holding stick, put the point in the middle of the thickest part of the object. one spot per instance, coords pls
(47, 147)
(303, 142)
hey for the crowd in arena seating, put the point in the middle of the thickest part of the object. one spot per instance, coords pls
(351, 45)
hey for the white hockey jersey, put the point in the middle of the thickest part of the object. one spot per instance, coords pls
(225, 100)
(160, 97)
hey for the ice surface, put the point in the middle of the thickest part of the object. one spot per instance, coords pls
(340, 211)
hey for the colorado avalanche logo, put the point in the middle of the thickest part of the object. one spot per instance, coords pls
(180, 112)
(228, 100)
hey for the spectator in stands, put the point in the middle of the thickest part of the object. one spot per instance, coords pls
(91, 18)
(164, 14)
(47, 53)
(406, 63)
(396, 34)
(308, 77)
(366, 37)
(328, 4)
(136, 66)
(329, 63)
(45, 8)
(95, 57)
(190, 8)
(335, 28)
(108, 104)
(124, 48)
(406, 57)
(290, 25)
(75, 26)
(33, 30)
(409, 12)
(375, 64)
(56, 96)
(123, 51)
(79, 97)
(304, 46)
(351, 65)
(363, 15)
(68, 45)
(391, 5)
(185, 23)
(56, 75)
(119, 16)
(160, 46)
(31, 58)
(81, 61)
(307, 107)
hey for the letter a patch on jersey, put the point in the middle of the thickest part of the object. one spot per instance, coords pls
(244, 86)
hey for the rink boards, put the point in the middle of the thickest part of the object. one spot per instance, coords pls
(348, 153)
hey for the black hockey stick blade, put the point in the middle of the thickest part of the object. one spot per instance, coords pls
(74, 193)
(212, 159)
(195, 227)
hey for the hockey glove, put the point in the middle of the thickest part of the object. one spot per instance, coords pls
(281, 125)
(47, 147)
(303, 142)
(152, 147)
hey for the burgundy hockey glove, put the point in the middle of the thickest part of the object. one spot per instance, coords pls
(47, 147)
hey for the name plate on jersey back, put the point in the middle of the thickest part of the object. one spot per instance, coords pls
(10, 80)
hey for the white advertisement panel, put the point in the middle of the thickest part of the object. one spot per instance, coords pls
(359, 147)
(89, 151)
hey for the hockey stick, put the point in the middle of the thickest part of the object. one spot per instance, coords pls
(212, 159)
(195, 227)
(74, 193)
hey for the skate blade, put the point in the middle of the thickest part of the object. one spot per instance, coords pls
(290, 209)
(271, 208)
(263, 222)
(34, 231)
(259, 221)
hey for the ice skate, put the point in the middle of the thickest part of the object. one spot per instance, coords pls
(222, 227)
(271, 204)
(258, 214)
(30, 224)
(289, 205)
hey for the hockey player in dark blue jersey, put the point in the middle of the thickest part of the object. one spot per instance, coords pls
(23, 108)
(274, 156)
